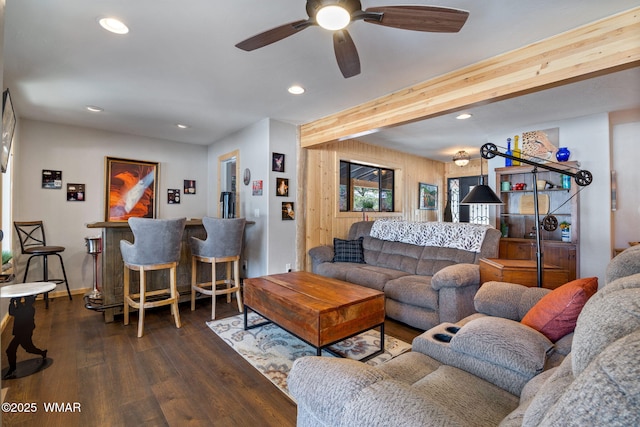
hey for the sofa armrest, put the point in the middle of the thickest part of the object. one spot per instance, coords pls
(321, 254)
(456, 276)
(323, 386)
(507, 300)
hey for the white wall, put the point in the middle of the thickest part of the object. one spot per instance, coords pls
(282, 234)
(588, 140)
(269, 243)
(626, 218)
(80, 154)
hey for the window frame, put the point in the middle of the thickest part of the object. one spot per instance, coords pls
(349, 202)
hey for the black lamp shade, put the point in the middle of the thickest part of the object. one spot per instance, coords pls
(481, 195)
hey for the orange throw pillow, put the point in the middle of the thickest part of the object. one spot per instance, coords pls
(556, 313)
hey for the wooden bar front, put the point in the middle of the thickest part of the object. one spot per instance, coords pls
(113, 266)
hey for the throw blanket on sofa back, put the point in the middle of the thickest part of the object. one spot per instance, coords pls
(465, 236)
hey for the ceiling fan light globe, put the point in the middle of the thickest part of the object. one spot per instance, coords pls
(333, 17)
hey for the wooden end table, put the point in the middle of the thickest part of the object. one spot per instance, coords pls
(521, 271)
(319, 310)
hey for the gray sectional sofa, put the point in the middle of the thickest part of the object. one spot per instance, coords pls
(589, 377)
(423, 285)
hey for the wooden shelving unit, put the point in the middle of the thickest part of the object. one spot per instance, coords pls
(519, 242)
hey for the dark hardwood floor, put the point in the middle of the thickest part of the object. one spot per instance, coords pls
(169, 377)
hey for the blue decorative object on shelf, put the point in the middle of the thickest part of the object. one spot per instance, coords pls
(563, 154)
(507, 161)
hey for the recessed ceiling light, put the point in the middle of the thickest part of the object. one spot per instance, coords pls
(296, 90)
(182, 126)
(114, 25)
(463, 116)
(94, 109)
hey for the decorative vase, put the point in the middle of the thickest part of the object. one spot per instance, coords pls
(563, 154)
(507, 161)
(566, 234)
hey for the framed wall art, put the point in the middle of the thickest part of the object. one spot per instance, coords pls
(51, 179)
(277, 162)
(282, 187)
(75, 192)
(428, 196)
(189, 186)
(173, 196)
(256, 189)
(288, 212)
(131, 187)
(8, 127)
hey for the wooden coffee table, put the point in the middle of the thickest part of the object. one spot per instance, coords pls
(318, 310)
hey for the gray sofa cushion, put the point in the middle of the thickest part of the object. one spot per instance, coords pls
(606, 393)
(604, 319)
(507, 300)
(372, 276)
(395, 255)
(505, 343)
(412, 289)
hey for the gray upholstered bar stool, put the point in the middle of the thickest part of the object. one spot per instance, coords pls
(33, 242)
(223, 245)
(156, 246)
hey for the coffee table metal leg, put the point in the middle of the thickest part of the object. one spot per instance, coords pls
(246, 312)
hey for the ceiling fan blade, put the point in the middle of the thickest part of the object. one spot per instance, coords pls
(346, 54)
(418, 18)
(273, 35)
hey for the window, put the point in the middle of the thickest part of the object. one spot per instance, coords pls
(365, 187)
(474, 214)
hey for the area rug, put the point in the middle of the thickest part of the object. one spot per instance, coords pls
(272, 350)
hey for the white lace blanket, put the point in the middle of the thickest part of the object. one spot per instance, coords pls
(464, 236)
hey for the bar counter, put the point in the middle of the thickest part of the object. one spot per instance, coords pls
(113, 265)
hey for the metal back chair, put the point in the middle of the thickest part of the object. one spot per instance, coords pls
(33, 242)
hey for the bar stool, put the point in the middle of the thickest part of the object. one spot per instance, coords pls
(156, 246)
(223, 245)
(33, 242)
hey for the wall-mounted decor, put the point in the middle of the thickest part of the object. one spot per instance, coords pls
(428, 194)
(131, 187)
(540, 145)
(247, 176)
(282, 187)
(75, 192)
(8, 127)
(277, 163)
(189, 186)
(288, 213)
(257, 188)
(173, 196)
(51, 179)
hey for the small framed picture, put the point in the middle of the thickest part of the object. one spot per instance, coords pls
(173, 196)
(288, 213)
(75, 192)
(256, 189)
(282, 187)
(277, 163)
(51, 179)
(428, 196)
(189, 186)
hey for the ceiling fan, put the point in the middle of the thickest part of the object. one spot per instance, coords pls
(335, 15)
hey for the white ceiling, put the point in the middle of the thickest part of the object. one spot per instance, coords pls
(178, 64)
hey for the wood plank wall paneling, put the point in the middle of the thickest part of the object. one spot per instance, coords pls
(323, 221)
(603, 46)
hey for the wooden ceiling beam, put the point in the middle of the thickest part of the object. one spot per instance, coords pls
(604, 46)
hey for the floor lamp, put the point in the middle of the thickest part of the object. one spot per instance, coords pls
(483, 194)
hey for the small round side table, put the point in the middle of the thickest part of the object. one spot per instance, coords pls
(24, 325)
